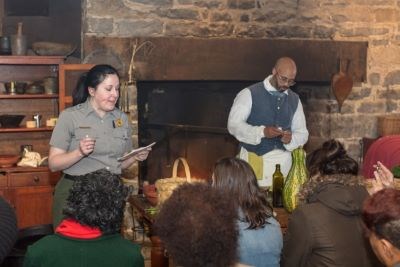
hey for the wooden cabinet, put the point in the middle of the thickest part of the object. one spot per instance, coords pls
(30, 193)
(69, 75)
(29, 190)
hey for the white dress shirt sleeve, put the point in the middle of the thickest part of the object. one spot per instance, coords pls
(237, 125)
(299, 129)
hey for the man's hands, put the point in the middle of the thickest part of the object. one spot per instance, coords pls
(271, 132)
(286, 137)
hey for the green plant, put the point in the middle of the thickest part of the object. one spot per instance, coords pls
(396, 171)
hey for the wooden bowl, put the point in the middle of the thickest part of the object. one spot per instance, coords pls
(8, 160)
(11, 121)
(53, 49)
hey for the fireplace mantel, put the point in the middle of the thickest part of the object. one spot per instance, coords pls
(233, 59)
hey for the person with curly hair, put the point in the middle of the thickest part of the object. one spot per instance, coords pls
(381, 216)
(90, 233)
(197, 226)
(260, 236)
(326, 228)
(8, 228)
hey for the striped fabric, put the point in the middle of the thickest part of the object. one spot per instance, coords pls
(8, 228)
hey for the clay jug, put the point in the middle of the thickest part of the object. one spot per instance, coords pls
(18, 42)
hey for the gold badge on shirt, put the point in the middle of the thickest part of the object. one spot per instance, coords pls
(118, 122)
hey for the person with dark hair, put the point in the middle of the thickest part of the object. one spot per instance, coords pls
(91, 135)
(326, 228)
(381, 216)
(260, 236)
(324, 160)
(90, 233)
(267, 118)
(8, 229)
(197, 225)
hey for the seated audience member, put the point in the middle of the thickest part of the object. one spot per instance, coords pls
(197, 227)
(386, 150)
(260, 236)
(381, 215)
(326, 228)
(383, 178)
(8, 229)
(90, 233)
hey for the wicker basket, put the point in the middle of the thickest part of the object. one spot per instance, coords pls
(389, 124)
(166, 186)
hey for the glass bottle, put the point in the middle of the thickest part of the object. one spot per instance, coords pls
(277, 187)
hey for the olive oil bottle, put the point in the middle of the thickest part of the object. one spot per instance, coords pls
(277, 187)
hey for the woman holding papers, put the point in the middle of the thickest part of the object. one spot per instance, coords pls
(90, 135)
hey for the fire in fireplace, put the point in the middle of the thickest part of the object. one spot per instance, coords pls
(187, 119)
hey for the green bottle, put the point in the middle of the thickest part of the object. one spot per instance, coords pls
(277, 187)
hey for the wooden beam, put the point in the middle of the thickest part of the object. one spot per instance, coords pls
(165, 58)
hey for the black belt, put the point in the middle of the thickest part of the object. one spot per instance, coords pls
(69, 177)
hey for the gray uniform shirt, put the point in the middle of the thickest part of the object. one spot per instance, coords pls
(112, 133)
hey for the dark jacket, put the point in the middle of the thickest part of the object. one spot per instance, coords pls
(327, 231)
(8, 229)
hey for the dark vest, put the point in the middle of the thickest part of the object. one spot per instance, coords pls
(270, 110)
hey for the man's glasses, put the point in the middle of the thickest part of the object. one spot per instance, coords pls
(285, 80)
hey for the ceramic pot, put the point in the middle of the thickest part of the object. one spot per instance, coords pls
(5, 45)
(50, 85)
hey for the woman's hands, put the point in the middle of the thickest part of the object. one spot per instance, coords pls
(142, 155)
(86, 146)
(383, 178)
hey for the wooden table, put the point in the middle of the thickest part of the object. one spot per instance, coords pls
(283, 218)
(158, 257)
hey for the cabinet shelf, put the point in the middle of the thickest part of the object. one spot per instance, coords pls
(29, 190)
(32, 60)
(29, 96)
(24, 129)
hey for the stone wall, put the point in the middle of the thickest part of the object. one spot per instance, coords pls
(375, 21)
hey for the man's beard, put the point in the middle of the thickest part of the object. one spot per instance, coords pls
(282, 88)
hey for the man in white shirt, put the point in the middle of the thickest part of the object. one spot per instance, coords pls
(267, 118)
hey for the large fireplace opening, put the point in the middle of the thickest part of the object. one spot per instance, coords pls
(187, 119)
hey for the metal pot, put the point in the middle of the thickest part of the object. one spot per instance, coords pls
(50, 85)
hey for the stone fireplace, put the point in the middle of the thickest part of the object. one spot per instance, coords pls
(372, 22)
(185, 88)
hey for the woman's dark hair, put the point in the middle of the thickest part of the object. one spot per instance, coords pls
(97, 199)
(381, 215)
(331, 158)
(92, 78)
(329, 164)
(197, 225)
(237, 178)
